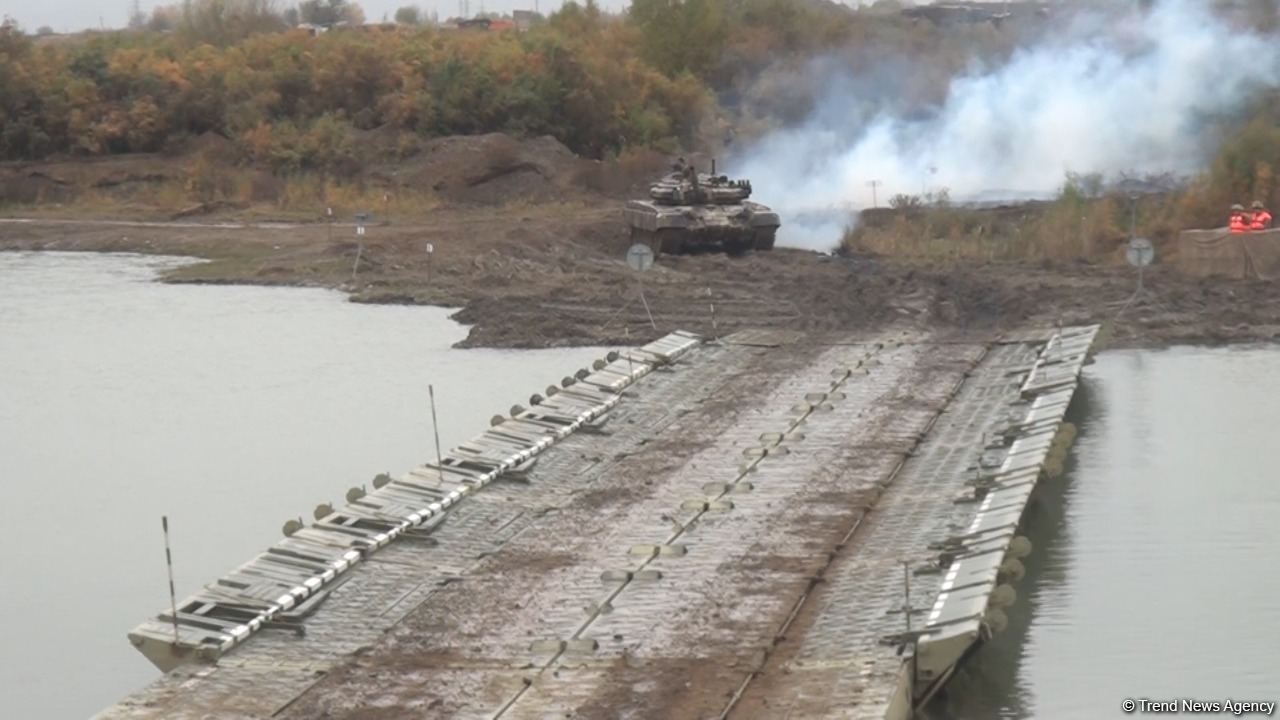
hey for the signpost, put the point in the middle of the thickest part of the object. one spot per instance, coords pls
(431, 249)
(1140, 253)
(361, 219)
(640, 259)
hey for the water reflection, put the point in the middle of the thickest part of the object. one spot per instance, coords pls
(231, 409)
(991, 684)
(1149, 575)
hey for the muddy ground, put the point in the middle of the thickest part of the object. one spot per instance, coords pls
(551, 274)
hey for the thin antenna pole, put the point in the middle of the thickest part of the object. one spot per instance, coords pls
(906, 610)
(435, 428)
(875, 202)
(173, 595)
(906, 593)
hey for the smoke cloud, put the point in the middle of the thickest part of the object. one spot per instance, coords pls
(1130, 92)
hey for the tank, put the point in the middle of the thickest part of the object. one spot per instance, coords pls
(689, 211)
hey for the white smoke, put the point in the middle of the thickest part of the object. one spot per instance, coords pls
(1116, 94)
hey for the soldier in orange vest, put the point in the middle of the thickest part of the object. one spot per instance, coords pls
(1261, 218)
(1238, 223)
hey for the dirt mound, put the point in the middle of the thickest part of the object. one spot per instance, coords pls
(626, 176)
(62, 180)
(210, 144)
(493, 169)
(26, 185)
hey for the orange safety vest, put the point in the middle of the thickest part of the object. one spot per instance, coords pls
(1261, 220)
(1237, 223)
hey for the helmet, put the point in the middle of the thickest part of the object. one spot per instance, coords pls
(1257, 205)
(1238, 206)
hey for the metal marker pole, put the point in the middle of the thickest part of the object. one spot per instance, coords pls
(715, 328)
(906, 593)
(631, 371)
(359, 251)
(435, 428)
(906, 609)
(431, 250)
(646, 303)
(168, 559)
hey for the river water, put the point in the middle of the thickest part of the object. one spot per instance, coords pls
(1153, 574)
(230, 409)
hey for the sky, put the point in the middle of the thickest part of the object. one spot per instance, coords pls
(73, 15)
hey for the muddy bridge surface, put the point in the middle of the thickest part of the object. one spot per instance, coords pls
(769, 525)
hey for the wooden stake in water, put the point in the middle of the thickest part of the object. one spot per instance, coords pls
(168, 559)
(435, 428)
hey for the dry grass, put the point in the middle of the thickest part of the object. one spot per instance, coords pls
(202, 189)
(1065, 230)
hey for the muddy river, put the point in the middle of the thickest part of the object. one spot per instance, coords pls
(1154, 573)
(230, 409)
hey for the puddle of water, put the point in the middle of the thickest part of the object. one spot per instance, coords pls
(230, 409)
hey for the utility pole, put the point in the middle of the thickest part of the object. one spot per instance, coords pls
(874, 200)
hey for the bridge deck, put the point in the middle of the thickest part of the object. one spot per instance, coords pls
(668, 566)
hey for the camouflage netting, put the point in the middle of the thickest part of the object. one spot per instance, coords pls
(1245, 256)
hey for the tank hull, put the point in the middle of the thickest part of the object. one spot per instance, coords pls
(729, 228)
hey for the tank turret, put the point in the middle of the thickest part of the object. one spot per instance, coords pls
(689, 211)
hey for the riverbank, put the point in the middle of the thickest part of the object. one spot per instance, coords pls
(551, 274)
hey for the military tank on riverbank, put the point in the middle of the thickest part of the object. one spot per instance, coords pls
(688, 212)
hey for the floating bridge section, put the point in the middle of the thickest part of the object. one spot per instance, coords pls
(282, 585)
(771, 525)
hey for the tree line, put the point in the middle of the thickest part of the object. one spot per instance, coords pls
(295, 99)
(666, 74)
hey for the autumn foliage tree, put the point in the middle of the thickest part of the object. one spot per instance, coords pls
(295, 101)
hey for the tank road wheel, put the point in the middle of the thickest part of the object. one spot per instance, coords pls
(737, 244)
(764, 238)
(668, 240)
